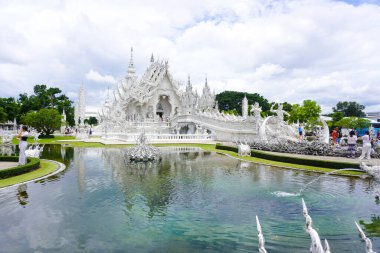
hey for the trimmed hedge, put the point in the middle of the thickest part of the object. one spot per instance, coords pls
(294, 160)
(33, 164)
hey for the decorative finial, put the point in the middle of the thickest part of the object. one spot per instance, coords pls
(131, 67)
(131, 61)
(152, 58)
(188, 79)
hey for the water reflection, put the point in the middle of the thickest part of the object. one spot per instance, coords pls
(190, 201)
(153, 181)
(373, 228)
(22, 194)
(60, 153)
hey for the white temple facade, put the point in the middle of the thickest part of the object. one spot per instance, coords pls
(158, 105)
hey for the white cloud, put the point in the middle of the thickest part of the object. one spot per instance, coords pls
(285, 50)
(95, 76)
(266, 71)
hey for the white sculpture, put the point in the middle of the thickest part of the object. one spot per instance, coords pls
(280, 113)
(260, 237)
(373, 171)
(34, 151)
(6, 146)
(368, 242)
(256, 110)
(244, 150)
(316, 245)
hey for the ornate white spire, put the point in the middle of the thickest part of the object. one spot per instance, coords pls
(245, 107)
(80, 106)
(152, 58)
(82, 103)
(64, 114)
(131, 67)
(189, 87)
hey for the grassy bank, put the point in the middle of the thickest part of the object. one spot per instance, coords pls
(54, 140)
(210, 147)
(45, 168)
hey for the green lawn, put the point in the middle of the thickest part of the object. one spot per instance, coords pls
(46, 168)
(47, 140)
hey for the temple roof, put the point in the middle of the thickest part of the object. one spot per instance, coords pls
(141, 90)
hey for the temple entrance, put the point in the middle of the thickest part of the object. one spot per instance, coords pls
(163, 108)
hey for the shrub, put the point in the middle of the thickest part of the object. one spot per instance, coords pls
(294, 160)
(32, 164)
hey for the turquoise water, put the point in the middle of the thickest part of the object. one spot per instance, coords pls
(191, 201)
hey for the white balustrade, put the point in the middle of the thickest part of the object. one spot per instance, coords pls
(155, 138)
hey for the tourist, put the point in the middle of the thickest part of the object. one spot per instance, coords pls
(351, 141)
(300, 132)
(22, 137)
(334, 135)
(366, 150)
(339, 138)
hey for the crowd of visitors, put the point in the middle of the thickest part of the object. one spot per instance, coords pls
(369, 142)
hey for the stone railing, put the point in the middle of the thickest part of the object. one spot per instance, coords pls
(214, 123)
(151, 124)
(159, 138)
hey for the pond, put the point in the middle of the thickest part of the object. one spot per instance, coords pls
(190, 201)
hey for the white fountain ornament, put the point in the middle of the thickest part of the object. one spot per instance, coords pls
(142, 151)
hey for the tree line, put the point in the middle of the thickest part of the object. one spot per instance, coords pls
(41, 110)
(345, 114)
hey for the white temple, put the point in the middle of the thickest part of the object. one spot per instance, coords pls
(157, 105)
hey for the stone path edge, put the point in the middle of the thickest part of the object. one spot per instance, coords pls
(287, 167)
(61, 167)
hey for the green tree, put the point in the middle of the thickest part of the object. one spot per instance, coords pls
(10, 107)
(45, 97)
(311, 110)
(353, 123)
(307, 113)
(350, 109)
(3, 115)
(296, 114)
(336, 116)
(44, 120)
(93, 121)
(230, 100)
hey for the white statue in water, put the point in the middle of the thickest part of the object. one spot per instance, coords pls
(373, 171)
(244, 150)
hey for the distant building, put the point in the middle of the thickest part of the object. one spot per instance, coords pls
(373, 116)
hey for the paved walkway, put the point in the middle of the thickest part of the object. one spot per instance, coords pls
(7, 165)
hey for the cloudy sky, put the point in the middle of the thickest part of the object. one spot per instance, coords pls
(285, 50)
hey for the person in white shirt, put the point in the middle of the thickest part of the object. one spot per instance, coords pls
(351, 142)
(22, 137)
(366, 150)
